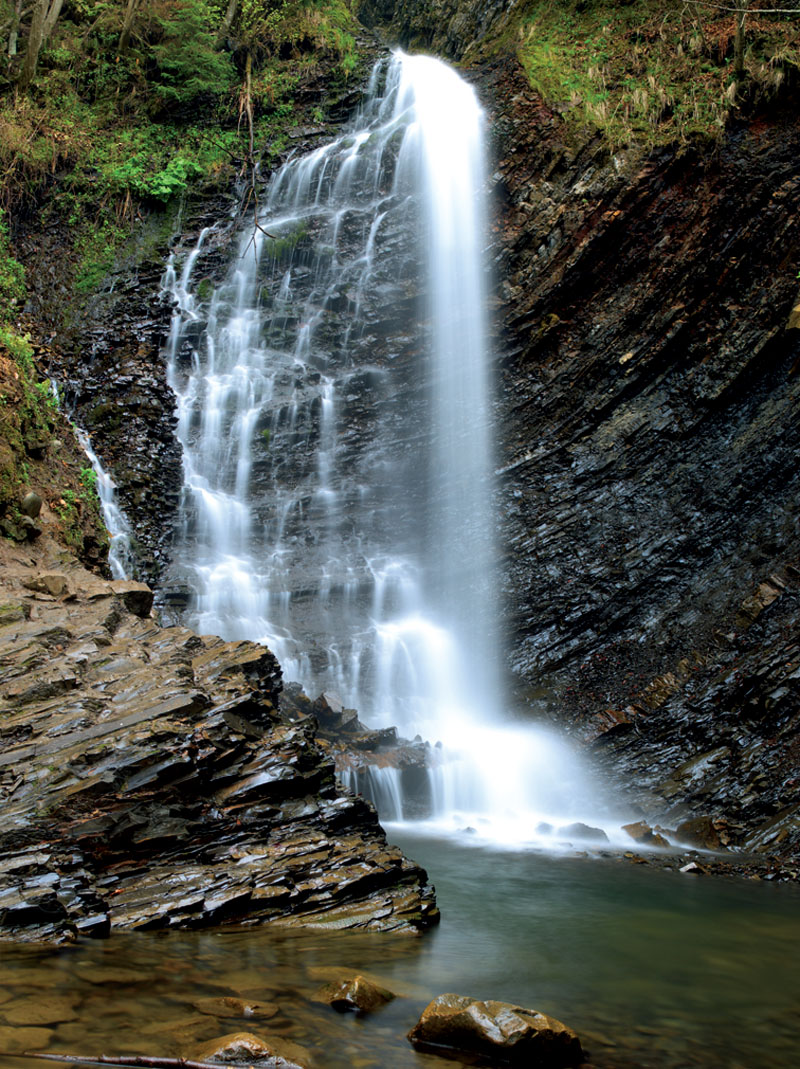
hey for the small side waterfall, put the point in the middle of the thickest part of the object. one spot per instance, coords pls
(120, 550)
(334, 412)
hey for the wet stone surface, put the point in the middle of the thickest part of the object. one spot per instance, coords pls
(149, 780)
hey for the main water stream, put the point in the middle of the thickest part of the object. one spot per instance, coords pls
(334, 403)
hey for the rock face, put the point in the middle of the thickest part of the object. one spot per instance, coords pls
(649, 499)
(148, 780)
(453, 28)
(506, 1033)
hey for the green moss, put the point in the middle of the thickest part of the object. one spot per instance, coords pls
(281, 248)
(12, 276)
(11, 612)
(96, 248)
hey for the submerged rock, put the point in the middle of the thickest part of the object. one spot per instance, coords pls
(231, 1006)
(500, 1030)
(355, 993)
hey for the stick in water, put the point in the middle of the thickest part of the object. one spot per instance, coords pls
(134, 1060)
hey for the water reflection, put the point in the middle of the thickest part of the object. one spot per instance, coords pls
(651, 968)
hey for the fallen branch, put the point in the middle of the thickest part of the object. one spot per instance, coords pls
(107, 1059)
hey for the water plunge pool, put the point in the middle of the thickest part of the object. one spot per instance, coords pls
(651, 968)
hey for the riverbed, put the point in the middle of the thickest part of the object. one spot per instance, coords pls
(651, 968)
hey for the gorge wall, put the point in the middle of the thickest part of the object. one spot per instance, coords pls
(646, 363)
(648, 405)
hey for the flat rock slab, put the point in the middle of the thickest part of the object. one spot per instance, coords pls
(40, 1009)
(512, 1035)
(232, 1006)
(16, 1040)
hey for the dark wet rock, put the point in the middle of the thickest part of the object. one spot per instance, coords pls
(583, 831)
(647, 372)
(232, 1006)
(359, 754)
(244, 1047)
(506, 1033)
(701, 832)
(355, 993)
(148, 779)
(452, 28)
(333, 717)
(642, 833)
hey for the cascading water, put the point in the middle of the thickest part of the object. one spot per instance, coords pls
(333, 405)
(120, 550)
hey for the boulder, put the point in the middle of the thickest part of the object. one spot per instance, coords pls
(693, 869)
(699, 832)
(137, 597)
(583, 831)
(244, 1047)
(506, 1033)
(642, 833)
(53, 583)
(31, 505)
(354, 993)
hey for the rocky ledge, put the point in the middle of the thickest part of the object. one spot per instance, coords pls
(148, 778)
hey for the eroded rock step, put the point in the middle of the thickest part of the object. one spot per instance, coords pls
(148, 778)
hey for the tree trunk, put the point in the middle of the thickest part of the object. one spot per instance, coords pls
(127, 26)
(13, 35)
(34, 45)
(738, 45)
(227, 22)
(50, 20)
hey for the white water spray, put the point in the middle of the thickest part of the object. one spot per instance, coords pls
(120, 550)
(337, 455)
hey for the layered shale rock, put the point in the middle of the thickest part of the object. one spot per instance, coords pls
(648, 392)
(149, 780)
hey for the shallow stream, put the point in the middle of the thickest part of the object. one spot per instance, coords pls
(651, 968)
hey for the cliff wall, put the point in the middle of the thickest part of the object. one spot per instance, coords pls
(648, 400)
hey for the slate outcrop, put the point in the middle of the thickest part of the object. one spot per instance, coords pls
(647, 370)
(148, 778)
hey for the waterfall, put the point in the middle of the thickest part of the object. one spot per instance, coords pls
(333, 402)
(120, 549)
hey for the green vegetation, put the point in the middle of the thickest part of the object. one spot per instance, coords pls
(12, 277)
(129, 103)
(655, 72)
